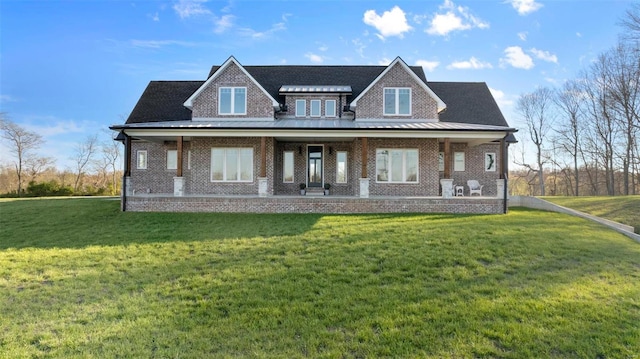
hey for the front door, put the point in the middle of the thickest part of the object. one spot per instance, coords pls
(315, 166)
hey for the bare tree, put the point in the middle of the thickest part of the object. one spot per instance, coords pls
(631, 22)
(110, 158)
(22, 143)
(535, 109)
(569, 101)
(83, 155)
(35, 166)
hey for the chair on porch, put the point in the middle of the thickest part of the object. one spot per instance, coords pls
(474, 187)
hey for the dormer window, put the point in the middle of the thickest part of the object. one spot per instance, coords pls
(301, 108)
(330, 108)
(397, 101)
(232, 101)
(315, 108)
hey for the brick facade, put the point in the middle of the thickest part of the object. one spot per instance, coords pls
(258, 103)
(423, 106)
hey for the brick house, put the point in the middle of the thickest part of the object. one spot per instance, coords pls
(382, 137)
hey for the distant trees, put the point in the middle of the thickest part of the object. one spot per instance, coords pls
(25, 173)
(23, 144)
(597, 127)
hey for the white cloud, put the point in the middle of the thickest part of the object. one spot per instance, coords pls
(223, 24)
(155, 16)
(500, 98)
(515, 57)
(578, 34)
(544, 55)
(188, 8)
(471, 64)
(359, 47)
(524, 7)
(384, 61)
(391, 23)
(156, 44)
(316, 59)
(258, 35)
(428, 65)
(523, 35)
(323, 48)
(455, 18)
(7, 98)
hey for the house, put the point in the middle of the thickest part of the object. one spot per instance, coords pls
(248, 137)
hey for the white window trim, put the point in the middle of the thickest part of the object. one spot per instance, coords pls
(397, 96)
(303, 107)
(346, 166)
(224, 165)
(490, 166)
(327, 114)
(404, 165)
(284, 157)
(311, 108)
(233, 99)
(146, 159)
(167, 160)
(189, 159)
(458, 162)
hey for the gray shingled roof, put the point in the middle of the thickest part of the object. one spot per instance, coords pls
(467, 102)
(163, 101)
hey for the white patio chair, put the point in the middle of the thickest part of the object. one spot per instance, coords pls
(474, 187)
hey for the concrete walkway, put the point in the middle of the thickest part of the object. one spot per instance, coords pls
(537, 203)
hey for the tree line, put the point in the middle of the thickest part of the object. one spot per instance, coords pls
(585, 132)
(96, 165)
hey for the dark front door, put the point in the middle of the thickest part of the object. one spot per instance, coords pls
(315, 166)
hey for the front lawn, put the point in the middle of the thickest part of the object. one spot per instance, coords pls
(79, 279)
(622, 209)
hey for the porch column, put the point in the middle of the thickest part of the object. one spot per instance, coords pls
(364, 179)
(263, 183)
(178, 180)
(447, 181)
(501, 183)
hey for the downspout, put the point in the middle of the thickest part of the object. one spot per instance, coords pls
(505, 173)
(127, 170)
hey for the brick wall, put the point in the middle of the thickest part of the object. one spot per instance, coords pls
(423, 106)
(474, 167)
(258, 103)
(299, 204)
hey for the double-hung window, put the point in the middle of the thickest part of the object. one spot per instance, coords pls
(232, 101)
(330, 108)
(301, 108)
(287, 167)
(315, 108)
(172, 159)
(231, 164)
(141, 160)
(397, 165)
(397, 101)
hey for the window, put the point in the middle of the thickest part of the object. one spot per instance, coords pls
(287, 167)
(231, 164)
(315, 108)
(232, 101)
(330, 108)
(341, 166)
(301, 108)
(490, 162)
(189, 159)
(397, 101)
(172, 160)
(440, 161)
(458, 161)
(142, 160)
(397, 165)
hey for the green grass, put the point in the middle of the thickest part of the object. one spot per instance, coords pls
(622, 209)
(79, 279)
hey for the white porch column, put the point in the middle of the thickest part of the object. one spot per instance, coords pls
(500, 188)
(263, 186)
(447, 187)
(364, 188)
(127, 185)
(178, 186)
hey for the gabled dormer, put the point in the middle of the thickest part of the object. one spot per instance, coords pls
(231, 93)
(398, 94)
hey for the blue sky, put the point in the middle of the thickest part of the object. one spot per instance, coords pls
(69, 69)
